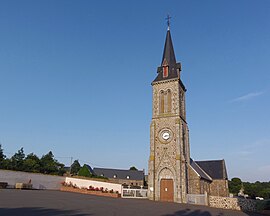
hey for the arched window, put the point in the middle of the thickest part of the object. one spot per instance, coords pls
(182, 104)
(162, 104)
(184, 139)
(169, 101)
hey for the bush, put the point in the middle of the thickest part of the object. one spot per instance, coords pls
(263, 205)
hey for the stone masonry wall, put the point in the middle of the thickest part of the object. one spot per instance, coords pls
(219, 187)
(232, 203)
(193, 182)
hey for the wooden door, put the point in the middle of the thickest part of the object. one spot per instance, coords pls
(166, 190)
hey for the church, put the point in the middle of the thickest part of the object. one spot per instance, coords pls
(172, 174)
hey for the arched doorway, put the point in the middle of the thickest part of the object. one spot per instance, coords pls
(166, 185)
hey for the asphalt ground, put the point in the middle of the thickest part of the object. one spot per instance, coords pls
(57, 203)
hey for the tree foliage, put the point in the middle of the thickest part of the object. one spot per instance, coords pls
(32, 163)
(47, 164)
(235, 185)
(2, 158)
(257, 189)
(17, 160)
(75, 167)
(84, 171)
(133, 168)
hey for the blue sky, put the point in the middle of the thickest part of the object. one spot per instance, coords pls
(76, 79)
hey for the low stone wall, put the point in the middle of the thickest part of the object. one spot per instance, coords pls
(232, 203)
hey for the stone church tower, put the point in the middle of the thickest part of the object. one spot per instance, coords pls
(169, 136)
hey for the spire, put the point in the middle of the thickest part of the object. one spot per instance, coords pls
(169, 68)
(168, 53)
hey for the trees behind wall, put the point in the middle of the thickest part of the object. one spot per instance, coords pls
(47, 164)
(85, 172)
(253, 190)
(75, 167)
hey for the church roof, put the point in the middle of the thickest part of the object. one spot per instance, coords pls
(214, 168)
(199, 170)
(120, 174)
(168, 59)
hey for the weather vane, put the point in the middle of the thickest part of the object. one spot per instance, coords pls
(168, 21)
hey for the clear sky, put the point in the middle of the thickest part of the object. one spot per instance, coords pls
(75, 78)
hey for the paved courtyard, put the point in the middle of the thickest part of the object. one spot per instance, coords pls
(57, 203)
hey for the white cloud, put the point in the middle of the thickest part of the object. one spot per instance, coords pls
(247, 96)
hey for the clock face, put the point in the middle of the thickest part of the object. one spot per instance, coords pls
(165, 135)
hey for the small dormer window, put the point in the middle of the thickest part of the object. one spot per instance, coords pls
(165, 68)
(165, 71)
(128, 176)
(114, 176)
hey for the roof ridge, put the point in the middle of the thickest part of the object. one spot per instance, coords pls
(117, 169)
(209, 160)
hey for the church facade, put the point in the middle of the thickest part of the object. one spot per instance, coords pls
(172, 174)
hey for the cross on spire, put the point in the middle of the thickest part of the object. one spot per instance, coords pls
(168, 21)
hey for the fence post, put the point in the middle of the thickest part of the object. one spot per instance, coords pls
(206, 198)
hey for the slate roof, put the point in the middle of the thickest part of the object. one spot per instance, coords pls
(120, 174)
(199, 170)
(214, 168)
(169, 58)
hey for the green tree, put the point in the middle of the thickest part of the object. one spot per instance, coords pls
(75, 167)
(32, 163)
(17, 160)
(84, 171)
(133, 168)
(235, 185)
(2, 158)
(250, 189)
(49, 165)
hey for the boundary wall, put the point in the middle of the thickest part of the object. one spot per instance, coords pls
(38, 181)
(233, 203)
(51, 182)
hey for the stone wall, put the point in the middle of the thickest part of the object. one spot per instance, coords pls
(219, 187)
(204, 186)
(232, 203)
(38, 181)
(193, 181)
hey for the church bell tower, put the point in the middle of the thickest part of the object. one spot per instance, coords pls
(169, 136)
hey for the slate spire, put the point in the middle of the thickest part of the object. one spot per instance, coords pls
(168, 52)
(169, 68)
